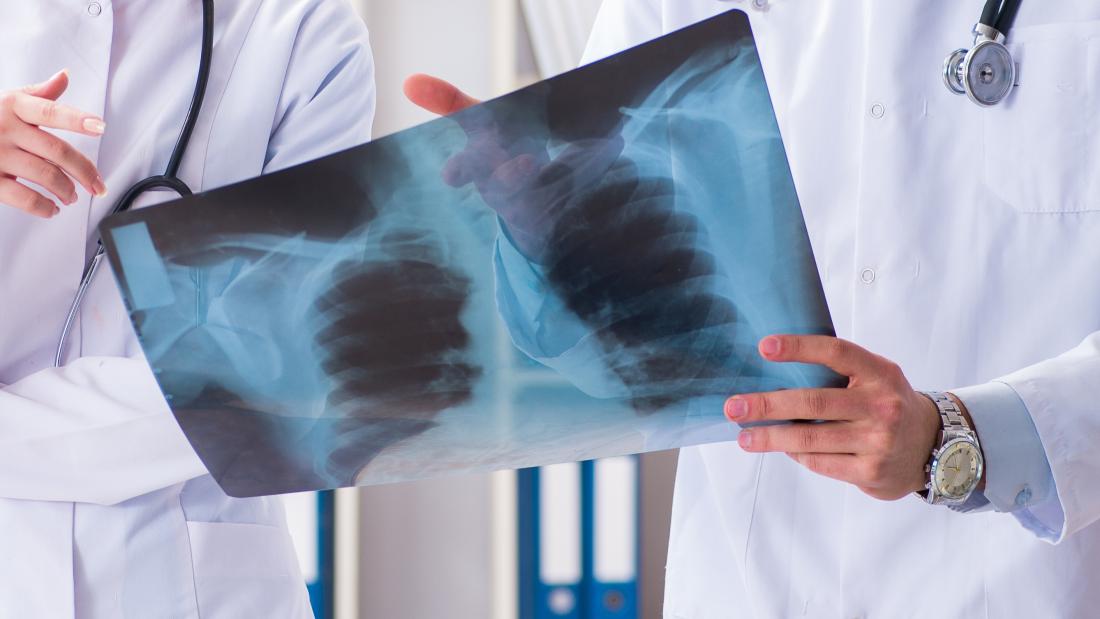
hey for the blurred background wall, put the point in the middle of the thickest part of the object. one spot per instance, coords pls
(450, 548)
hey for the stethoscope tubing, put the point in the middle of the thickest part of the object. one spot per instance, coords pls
(1000, 14)
(74, 309)
(169, 180)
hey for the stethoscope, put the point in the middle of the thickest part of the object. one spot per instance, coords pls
(168, 180)
(987, 72)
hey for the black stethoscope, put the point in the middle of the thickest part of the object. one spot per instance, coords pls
(987, 72)
(169, 180)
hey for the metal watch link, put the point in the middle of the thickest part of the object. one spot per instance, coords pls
(957, 465)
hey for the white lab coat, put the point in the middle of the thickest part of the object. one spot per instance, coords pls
(105, 511)
(961, 242)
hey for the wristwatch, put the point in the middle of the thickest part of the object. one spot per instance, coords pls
(957, 465)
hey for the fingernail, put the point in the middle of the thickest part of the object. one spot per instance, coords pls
(745, 439)
(100, 188)
(95, 125)
(737, 408)
(770, 346)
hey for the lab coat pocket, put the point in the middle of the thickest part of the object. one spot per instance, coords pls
(1042, 145)
(246, 570)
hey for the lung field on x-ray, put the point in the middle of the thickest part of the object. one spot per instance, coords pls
(395, 347)
(394, 342)
(635, 269)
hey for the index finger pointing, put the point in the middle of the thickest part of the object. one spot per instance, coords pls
(839, 355)
(46, 113)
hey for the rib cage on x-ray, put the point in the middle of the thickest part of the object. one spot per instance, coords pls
(637, 271)
(631, 226)
(379, 313)
(395, 348)
(387, 330)
(393, 342)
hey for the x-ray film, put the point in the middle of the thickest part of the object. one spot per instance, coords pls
(580, 269)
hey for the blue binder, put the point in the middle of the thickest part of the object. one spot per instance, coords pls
(551, 553)
(312, 520)
(322, 592)
(612, 523)
(578, 528)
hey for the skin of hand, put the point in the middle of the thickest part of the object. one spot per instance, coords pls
(877, 434)
(30, 154)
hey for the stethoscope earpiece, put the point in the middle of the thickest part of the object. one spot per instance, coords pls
(985, 73)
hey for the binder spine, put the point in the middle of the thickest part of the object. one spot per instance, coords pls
(578, 540)
(611, 547)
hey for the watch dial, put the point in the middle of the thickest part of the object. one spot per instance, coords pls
(957, 471)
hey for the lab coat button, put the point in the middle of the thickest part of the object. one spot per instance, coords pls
(95, 9)
(878, 110)
(760, 5)
(868, 276)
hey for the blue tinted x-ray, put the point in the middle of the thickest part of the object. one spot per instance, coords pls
(577, 270)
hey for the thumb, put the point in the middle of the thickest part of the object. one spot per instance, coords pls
(436, 95)
(52, 88)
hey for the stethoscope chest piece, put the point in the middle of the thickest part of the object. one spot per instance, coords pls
(985, 74)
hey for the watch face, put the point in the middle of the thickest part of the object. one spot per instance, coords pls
(957, 469)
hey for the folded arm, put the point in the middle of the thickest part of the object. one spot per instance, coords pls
(95, 431)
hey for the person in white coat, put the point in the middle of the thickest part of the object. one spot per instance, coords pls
(958, 242)
(105, 510)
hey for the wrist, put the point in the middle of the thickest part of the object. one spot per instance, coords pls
(929, 440)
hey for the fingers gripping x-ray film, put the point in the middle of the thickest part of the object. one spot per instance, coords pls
(577, 270)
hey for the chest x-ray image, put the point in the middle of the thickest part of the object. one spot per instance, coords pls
(577, 270)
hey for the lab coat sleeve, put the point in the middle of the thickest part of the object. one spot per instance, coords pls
(328, 98)
(95, 431)
(1019, 480)
(1063, 397)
